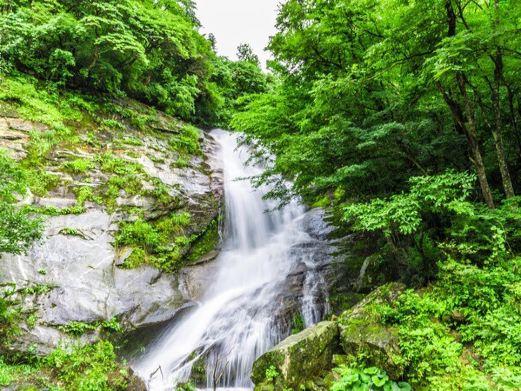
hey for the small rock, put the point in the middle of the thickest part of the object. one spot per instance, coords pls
(24, 125)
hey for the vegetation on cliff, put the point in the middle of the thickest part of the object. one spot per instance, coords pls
(149, 50)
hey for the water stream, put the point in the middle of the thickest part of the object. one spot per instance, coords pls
(268, 268)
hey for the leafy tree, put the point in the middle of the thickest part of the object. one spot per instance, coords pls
(374, 92)
(245, 53)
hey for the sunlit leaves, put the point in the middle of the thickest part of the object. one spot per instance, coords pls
(146, 49)
(403, 213)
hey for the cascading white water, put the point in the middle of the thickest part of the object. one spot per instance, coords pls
(242, 313)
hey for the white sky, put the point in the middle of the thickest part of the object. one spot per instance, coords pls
(236, 21)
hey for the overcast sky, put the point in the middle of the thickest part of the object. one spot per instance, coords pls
(236, 21)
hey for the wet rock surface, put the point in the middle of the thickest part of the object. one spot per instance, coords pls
(361, 332)
(73, 274)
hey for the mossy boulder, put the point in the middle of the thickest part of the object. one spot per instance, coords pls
(363, 335)
(300, 357)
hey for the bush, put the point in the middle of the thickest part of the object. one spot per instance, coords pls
(87, 368)
(463, 328)
(148, 50)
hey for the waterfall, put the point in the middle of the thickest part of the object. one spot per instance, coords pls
(267, 267)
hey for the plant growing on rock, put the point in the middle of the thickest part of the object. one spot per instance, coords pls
(271, 373)
(365, 379)
(18, 229)
(159, 242)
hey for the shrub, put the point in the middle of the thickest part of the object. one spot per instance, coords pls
(87, 368)
(79, 166)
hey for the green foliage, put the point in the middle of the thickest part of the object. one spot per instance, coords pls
(271, 374)
(17, 229)
(112, 325)
(149, 50)
(10, 373)
(446, 193)
(234, 82)
(70, 232)
(186, 387)
(79, 328)
(365, 379)
(160, 243)
(206, 242)
(403, 119)
(82, 368)
(111, 47)
(371, 93)
(298, 323)
(139, 232)
(42, 105)
(36, 289)
(86, 368)
(10, 316)
(187, 142)
(462, 329)
(116, 165)
(78, 166)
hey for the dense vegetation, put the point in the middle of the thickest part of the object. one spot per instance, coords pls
(149, 50)
(403, 117)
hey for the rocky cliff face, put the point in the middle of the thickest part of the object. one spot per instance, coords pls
(85, 276)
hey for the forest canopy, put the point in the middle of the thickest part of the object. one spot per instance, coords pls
(400, 118)
(371, 92)
(149, 50)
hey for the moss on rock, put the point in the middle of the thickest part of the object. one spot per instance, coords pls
(301, 356)
(363, 335)
(206, 244)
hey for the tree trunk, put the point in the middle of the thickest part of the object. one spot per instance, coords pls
(497, 131)
(513, 119)
(464, 118)
(472, 138)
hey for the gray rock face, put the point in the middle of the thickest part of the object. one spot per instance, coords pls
(314, 223)
(14, 134)
(72, 274)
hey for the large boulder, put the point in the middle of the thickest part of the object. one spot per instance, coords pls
(301, 356)
(362, 333)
